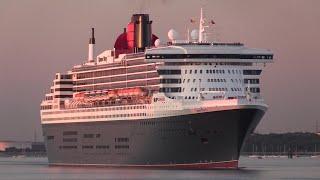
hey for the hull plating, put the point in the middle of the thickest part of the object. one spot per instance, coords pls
(196, 141)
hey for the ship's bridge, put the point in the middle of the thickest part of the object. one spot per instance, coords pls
(204, 52)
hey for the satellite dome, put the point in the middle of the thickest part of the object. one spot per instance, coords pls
(157, 43)
(194, 34)
(173, 34)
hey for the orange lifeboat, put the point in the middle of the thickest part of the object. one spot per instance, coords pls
(131, 92)
(79, 95)
(112, 94)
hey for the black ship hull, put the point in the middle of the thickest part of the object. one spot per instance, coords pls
(198, 141)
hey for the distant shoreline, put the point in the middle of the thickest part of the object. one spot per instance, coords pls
(23, 154)
(296, 144)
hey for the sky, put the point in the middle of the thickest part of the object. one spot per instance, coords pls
(40, 37)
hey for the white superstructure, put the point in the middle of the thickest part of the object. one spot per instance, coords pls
(165, 80)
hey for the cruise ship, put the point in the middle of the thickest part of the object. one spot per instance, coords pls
(183, 104)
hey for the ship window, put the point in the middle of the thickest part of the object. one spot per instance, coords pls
(102, 147)
(251, 81)
(170, 81)
(190, 71)
(50, 137)
(186, 71)
(66, 76)
(122, 139)
(195, 71)
(63, 96)
(63, 82)
(255, 90)
(88, 136)
(201, 71)
(87, 147)
(66, 133)
(168, 71)
(170, 90)
(207, 71)
(48, 98)
(63, 89)
(69, 139)
(251, 72)
(44, 107)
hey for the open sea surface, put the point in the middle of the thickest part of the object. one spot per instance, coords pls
(28, 168)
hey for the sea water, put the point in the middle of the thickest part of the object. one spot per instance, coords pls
(28, 168)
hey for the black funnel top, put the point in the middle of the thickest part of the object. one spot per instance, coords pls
(92, 39)
(143, 32)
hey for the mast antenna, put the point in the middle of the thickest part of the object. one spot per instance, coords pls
(203, 25)
(202, 28)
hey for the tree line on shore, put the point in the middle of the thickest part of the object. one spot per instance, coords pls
(282, 143)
